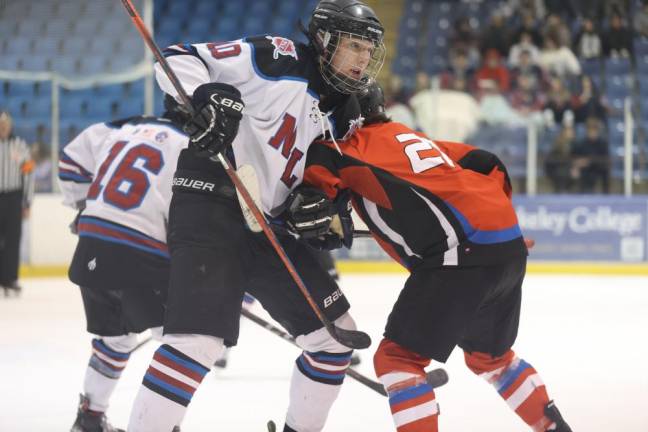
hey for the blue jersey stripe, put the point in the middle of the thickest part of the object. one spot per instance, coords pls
(125, 243)
(510, 376)
(332, 376)
(484, 236)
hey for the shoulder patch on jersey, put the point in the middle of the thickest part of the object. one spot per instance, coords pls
(283, 46)
(276, 57)
(161, 136)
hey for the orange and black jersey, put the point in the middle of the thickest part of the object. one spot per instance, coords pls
(436, 202)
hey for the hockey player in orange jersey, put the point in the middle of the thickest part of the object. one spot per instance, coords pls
(443, 210)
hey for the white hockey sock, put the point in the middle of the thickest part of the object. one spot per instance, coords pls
(316, 382)
(104, 370)
(177, 369)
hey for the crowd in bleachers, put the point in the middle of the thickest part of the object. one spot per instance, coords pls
(566, 66)
(474, 70)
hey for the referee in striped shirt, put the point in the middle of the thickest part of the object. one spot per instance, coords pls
(16, 191)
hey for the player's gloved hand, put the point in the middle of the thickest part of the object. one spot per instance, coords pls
(309, 212)
(214, 125)
(341, 229)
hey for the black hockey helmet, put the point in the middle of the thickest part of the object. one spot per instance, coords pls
(371, 100)
(330, 23)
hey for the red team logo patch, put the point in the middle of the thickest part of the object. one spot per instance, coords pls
(283, 46)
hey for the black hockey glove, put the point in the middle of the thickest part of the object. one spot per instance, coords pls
(309, 212)
(341, 229)
(214, 125)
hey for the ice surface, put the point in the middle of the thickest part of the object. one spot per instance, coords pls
(587, 336)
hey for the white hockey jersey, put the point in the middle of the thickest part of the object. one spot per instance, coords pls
(281, 87)
(124, 172)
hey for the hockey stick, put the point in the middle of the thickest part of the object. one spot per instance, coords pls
(435, 378)
(361, 234)
(350, 338)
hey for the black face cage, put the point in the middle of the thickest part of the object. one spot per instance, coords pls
(338, 79)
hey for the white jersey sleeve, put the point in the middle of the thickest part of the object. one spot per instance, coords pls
(78, 162)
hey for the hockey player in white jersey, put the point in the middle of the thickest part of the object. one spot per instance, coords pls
(119, 176)
(261, 101)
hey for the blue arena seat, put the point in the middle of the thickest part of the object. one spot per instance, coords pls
(42, 9)
(617, 66)
(68, 9)
(99, 108)
(74, 46)
(35, 63)
(92, 65)
(9, 62)
(19, 46)
(21, 89)
(58, 27)
(39, 109)
(48, 47)
(64, 65)
(86, 27)
(29, 27)
(72, 105)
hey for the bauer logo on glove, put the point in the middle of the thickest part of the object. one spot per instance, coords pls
(218, 110)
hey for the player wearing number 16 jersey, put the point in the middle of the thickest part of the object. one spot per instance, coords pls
(119, 176)
(443, 210)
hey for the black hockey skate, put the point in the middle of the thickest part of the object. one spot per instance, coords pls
(88, 421)
(272, 427)
(12, 289)
(551, 411)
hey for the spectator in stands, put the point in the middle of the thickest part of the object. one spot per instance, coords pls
(495, 108)
(529, 25)
(591, 161)
(557, 59)
(496, 36)
(556, 27)
(446, 114)
(641, 20)
(558, 162)
(563, 8)
(397, 103)
(458, 69)
(493, 70)
(599, 9)
(588, 102)
(617, 41)
(464, 39)
(558, 107)
(526, 67)
(526, 99)
(422, 82)
(588, 43)
(16, 191)
(525, 44)
(397, 91)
